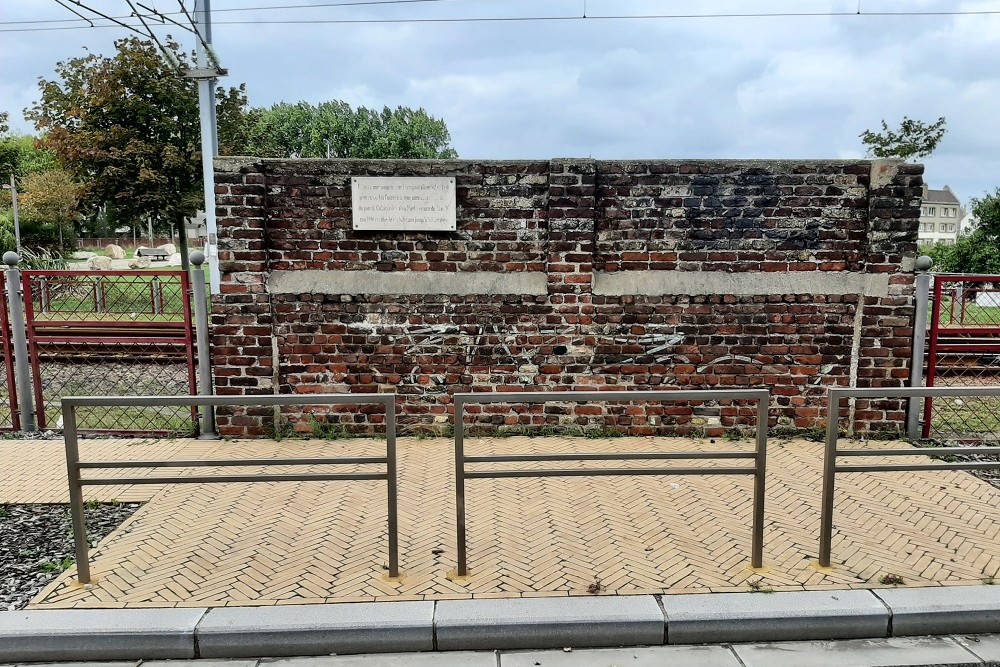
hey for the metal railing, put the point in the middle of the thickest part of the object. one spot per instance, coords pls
(761, 396)
(76, 483)
(830, 466)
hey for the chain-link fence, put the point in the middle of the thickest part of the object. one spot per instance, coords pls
(963, 350)
(8, 392)
(111, 333)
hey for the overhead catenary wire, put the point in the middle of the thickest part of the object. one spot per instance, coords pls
(557, 18)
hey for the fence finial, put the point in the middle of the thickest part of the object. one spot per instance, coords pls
(923, 263)
(197, 258)
(11, 258)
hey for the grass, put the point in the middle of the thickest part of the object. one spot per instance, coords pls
(759, 587)
(55, 567)
(966, 416)
(974, 314)
(891, 579)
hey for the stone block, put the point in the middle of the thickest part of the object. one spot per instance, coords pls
(886, 652)
(98, 634)
(364, 627)
(944, 610)
(548, 622)
(736, 617)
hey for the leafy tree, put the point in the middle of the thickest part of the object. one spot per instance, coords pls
(913, 139)
(979, 250)
(48, 208)
(127, 128)
(20, 154)
(334, 129)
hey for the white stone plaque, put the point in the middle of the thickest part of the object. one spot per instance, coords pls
(398, 203)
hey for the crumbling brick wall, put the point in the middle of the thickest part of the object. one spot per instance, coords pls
(572, 274)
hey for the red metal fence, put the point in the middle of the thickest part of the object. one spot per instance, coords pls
(110, 333)
(963, 349)
(9, 418)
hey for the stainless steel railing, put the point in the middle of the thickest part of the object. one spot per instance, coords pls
(761, 396)
(74, 465)
(830, 467)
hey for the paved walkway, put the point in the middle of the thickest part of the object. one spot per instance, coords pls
(312, 542)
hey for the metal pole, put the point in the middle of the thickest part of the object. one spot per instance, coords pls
(205, 388)
(829, 469)
(209, 137)
(759, 477)
(390, 470)
(76, 494)
(923, 288)
(22, 372)
(462, 569)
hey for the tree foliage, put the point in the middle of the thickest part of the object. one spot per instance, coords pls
(979, 250)
(48, 208)
(127, 127)
(335, 129)
(913, 139)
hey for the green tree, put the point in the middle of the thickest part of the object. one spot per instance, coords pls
(335, 129)
(914, 139)
(48, 209)
(127, 128)
(979, 250)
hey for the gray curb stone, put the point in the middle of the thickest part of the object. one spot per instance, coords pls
(939, 611)
(457, 659)
(548, 622)
(98, 634)
(738, 617)
(363, 627)
(886, 652)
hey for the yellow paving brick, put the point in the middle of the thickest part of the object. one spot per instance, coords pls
(309, 542)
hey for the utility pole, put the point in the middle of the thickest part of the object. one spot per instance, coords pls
(206, 74)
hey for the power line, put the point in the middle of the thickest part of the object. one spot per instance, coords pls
(520, 19)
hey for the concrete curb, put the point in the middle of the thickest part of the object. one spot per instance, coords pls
(235, 632)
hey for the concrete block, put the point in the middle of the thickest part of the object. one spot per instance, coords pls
(738, 617)
(97, 634)
(548, 622)
(987, 647)
(364, 627)
(887, 652)
(649, 656)
(944, 610)
(454, 659)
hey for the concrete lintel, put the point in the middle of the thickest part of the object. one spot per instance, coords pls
(955, 609)
(548, 622)
(657, 283)
(364, 627)
(407, 282)
(98, 634)
(738, 617)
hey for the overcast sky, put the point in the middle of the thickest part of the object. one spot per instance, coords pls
(742, 87)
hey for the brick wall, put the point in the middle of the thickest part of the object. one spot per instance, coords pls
(572, 274)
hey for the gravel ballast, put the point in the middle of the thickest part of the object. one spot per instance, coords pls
(36, 545)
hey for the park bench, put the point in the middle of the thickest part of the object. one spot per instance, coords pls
(153, 253)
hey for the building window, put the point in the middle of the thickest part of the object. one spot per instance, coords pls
(930, 226)
(931, 211)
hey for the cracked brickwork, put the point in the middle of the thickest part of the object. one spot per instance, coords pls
(575, 222)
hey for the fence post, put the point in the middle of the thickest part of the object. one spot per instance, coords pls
(208, 431)
(22, 373)
(923, 287)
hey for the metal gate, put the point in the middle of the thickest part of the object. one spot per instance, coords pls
(9, 417)
(111, 333)
(963, 349)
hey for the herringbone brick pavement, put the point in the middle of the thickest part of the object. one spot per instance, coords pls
(310, 542)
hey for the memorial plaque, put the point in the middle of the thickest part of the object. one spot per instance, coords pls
(406, 204)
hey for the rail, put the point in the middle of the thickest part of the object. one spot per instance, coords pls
(830, 467)
(74, 465)
(761, 396)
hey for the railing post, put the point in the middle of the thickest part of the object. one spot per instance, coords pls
(76, 494)
(462, 569)
(205, 388)
(829, 471)
(390, 471)
(759, 477)
(923, 287)
(22, 372)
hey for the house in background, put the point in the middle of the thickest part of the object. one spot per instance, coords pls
(941, 217)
